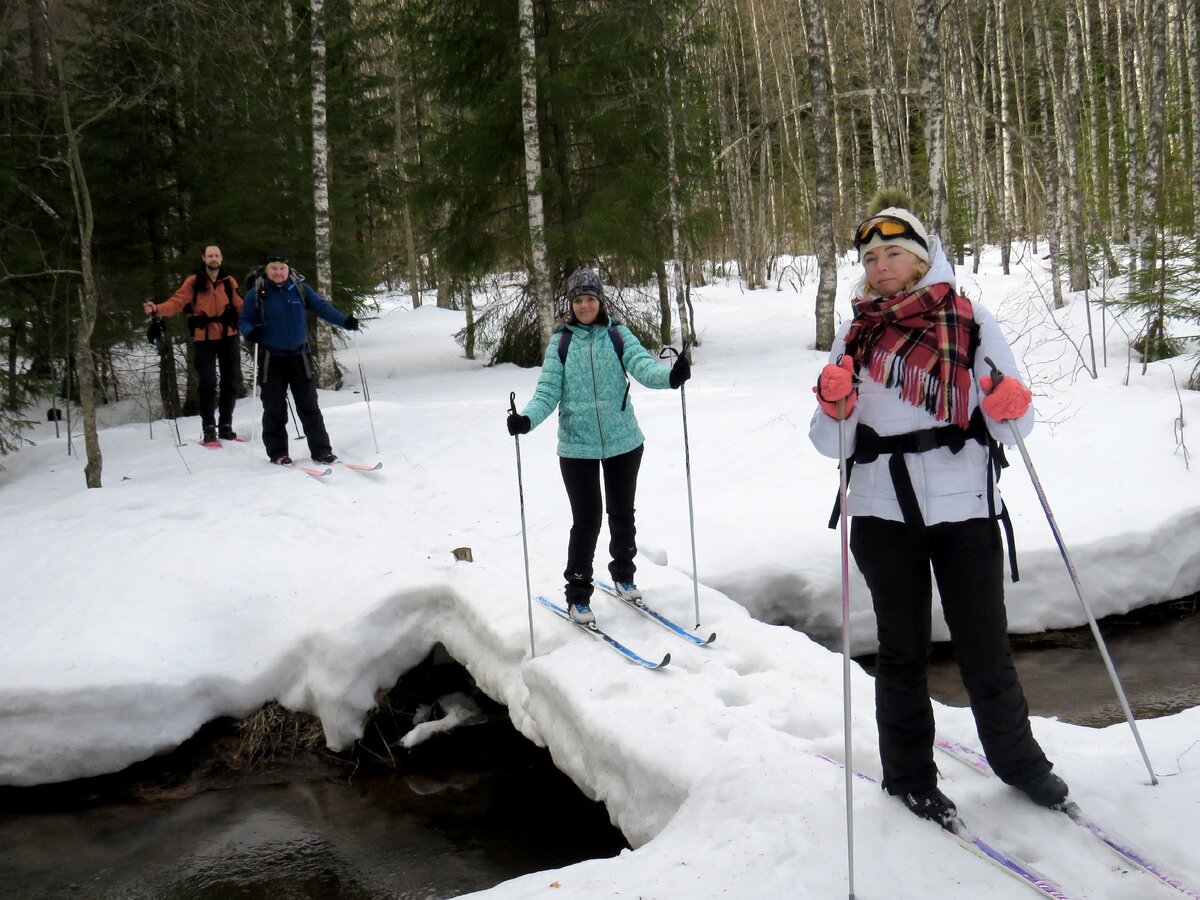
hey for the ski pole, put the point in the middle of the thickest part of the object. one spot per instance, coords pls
(362, 377)
(253, 391)
(997, 377)
(844, 530)
(512, 408)
(687, 464)
(292, 413)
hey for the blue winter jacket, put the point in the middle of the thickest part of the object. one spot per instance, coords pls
(280, 311)
(589, 391)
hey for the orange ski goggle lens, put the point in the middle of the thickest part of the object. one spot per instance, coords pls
(886, 227)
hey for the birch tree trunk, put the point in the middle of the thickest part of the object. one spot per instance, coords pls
(328, 375)
(85, 366)
(1152, 171)
(818, 66)
(539, 273)
(1051, 160)
(1006, 182)
(928, 14)
(1192, 24)
(1072, 186)
(687, 329)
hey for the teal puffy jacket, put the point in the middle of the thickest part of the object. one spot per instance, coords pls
(589, 391)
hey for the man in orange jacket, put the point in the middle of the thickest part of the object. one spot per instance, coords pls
(211, 300)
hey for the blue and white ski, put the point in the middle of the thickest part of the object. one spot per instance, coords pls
(654, 615)
(1008, 862)
(1123, 847)
(605, 639)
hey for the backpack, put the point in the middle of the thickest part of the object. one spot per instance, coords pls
(618, 342)
(203, 320)
(196, 290)
(256, 279)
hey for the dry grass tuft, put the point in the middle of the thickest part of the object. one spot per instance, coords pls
(274, 732)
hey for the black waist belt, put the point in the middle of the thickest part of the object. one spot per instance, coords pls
(869, 445)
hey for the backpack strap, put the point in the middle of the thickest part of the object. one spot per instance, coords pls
(618, 342)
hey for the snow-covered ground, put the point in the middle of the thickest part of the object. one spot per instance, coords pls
(199, 583)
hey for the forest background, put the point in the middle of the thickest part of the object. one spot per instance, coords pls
(476, 151)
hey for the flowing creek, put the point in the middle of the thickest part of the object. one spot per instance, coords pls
(465, 811)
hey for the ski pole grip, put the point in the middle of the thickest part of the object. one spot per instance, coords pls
(512, 402)
(997, 375)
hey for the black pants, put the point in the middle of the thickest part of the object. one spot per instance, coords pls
(206, 357)
(275, 377)
(967, 561)
(582, 480)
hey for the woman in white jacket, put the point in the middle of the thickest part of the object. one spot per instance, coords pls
(908, 375)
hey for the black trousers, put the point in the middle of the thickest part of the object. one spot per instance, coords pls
(582, 480)
(206, 357)
(967, 561)
(275, 377)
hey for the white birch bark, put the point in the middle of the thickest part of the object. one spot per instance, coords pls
(539, 273)
(1051, 162)
(686, 328)
(928, 14)
(1068, 125)
(1007, 181)
(1192, 24)
(85, 366)
(328, 375)
(818, 64)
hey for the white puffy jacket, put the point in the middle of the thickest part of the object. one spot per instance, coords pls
(950, 487)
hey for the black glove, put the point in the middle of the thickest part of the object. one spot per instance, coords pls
(518, 424)
(351, 323)
(154, 331)
(194, 322)
(229, 316)
(255, 334)
(681, 371)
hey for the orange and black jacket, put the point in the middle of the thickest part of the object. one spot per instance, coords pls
(204, 301)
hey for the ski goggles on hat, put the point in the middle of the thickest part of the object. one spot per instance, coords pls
(888, 228)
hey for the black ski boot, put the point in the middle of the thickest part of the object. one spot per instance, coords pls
(1046, 790)
(933, 805)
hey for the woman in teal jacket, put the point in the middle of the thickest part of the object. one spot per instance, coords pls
(584, 374)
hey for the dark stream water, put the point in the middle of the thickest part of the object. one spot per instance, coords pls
(460, 813)
(1155, 651)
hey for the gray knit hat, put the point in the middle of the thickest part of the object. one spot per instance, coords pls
(584, 281)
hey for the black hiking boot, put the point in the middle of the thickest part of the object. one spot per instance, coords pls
(326, 459)
(933, 805)
(226, 433)
(1046, 790)
(210, 436)
(284, 460)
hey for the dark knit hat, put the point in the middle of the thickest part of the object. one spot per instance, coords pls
(584, 281)
(279, 256)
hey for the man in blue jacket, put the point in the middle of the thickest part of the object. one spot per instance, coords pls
(274, 317)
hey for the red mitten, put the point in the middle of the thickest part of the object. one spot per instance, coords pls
(1008, 400)
(836, 382)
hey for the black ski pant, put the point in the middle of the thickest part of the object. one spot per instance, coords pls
(277, 374)
(582, 480)
(967, 562)
(207, 356)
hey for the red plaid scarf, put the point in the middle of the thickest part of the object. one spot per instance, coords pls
(920, 342)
